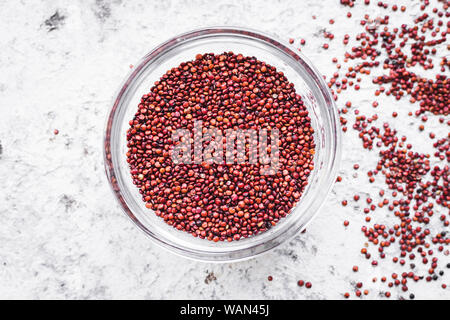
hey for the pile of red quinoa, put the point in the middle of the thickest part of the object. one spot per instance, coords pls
(416, 189)
(217, 201)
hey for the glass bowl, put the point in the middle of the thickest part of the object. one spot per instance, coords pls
(308, 83)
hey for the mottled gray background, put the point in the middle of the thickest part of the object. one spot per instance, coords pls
(62, 235)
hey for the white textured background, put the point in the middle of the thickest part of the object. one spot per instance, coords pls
(62, 235)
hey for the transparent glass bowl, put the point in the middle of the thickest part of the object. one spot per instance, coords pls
(308, 83)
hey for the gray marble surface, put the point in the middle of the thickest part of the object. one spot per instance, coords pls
(62, 234)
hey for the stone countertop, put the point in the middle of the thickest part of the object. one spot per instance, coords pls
(63, 235)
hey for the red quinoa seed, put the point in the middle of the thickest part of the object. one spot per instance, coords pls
(220, 202)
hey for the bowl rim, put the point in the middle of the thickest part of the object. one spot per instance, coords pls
(186, 37)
